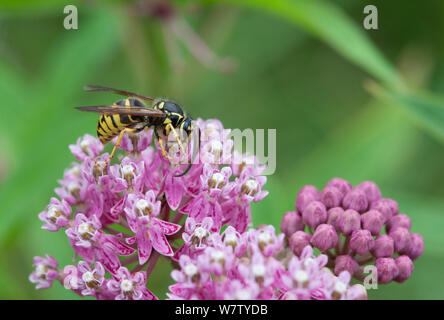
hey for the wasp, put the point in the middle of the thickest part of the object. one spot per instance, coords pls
(131, 115)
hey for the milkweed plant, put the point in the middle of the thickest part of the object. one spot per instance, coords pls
(121, 218)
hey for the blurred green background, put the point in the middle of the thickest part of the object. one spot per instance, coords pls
(346, 102)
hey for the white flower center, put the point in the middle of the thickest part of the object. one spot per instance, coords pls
(258, 270)
(251, 184)
(340, 287)
(243, 294)
(216, 147)
(309, 261)
(88, 277)
(190, 270)
(74, 171)
(264, 237)
(72, 186)
(218, 178)
(217, 255)
(84, 144)
(211, 128)
(301, 276)
(40, 270)
(53, 213)
(142, 204)
(127, 170)
(200, 232)
(230, 238)
(126, 285)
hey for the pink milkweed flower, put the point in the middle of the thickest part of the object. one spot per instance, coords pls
(89, 242)
(128, 175)
(85, 280)
(56, 215)
(142, 212)
(129, 286)
(214, 189)
(86, 147)
(239, 162)
(194, 236)
(45, 272)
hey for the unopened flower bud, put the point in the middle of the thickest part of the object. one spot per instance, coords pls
(371, 190)
(346, 263)
(298, 241)
(405, 268)
(387, 269)
(416, 246)
(314, 214)
(387, 207)
(331, 197)
(356, 199)
(342, 185)
(291, 222)
(349, 221)
(325, 237)
(384, 246)
(333, 215)
(401, 237)
(306, 195)
(361, 241)
(400, 220)
(372, 221)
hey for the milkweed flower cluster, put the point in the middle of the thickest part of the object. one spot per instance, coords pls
(121, 218)
(347, 224)
(254, 265)
(130, 213)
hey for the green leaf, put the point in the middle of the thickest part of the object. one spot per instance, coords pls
(426, 110)
(328, 22)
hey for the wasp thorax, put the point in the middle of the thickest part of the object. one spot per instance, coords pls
(86, 231)
(216, 181)
(144, 207)
(250, 187)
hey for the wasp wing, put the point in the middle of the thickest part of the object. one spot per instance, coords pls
(118, 91)
(129, 111)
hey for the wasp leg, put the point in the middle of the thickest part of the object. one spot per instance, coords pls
(119, 140)
(177, 138)
(164, 154)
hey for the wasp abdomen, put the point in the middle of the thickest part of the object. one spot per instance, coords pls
(110, 126)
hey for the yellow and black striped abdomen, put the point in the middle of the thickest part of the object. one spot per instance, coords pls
(110, 126)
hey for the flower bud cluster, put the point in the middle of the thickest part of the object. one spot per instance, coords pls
(348, 225)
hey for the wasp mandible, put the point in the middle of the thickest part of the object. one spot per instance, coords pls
(131, 115)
